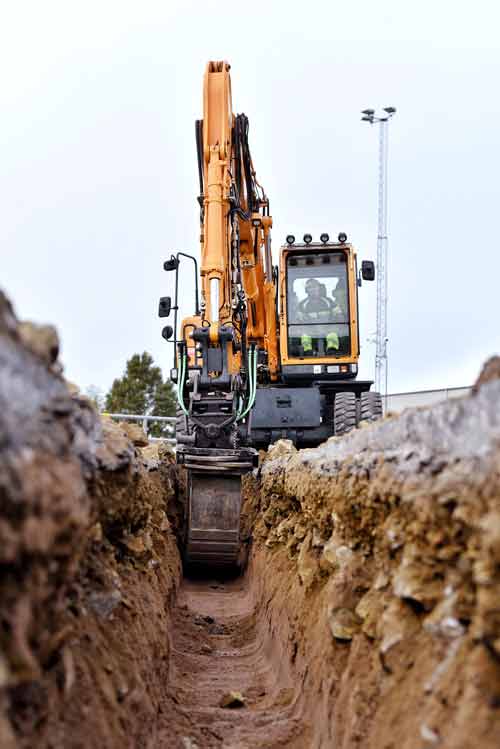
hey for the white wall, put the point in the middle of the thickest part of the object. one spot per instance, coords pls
(397, 402)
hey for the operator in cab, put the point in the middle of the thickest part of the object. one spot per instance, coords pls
(316, 307)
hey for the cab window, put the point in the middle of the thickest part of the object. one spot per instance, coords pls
(318, 305)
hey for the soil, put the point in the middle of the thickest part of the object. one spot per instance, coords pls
(223, 651)
(88, 561)
(368, 614)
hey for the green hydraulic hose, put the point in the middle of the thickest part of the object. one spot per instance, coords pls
(241, 401)
(252, 373)
(253, 382)
(180, 389)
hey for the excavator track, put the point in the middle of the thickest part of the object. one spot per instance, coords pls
(214, 504)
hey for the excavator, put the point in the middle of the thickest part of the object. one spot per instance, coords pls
(270, 352)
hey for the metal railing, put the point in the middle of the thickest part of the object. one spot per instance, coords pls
(397, 402)
(145, 424)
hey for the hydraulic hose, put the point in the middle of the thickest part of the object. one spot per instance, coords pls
(182, 377)
(241, 399)
(252, 374)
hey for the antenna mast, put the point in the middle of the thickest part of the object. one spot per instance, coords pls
(381, 359)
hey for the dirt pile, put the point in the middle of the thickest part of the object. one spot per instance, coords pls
(489, 373)
(380, 559)
(87, 560)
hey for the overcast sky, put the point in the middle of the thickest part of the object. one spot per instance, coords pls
(98, 182)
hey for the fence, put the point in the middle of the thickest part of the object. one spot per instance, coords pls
(145, 424)
(396, 402)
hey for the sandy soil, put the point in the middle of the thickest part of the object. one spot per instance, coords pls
(383, 549)
(88, 561)
(221, 644)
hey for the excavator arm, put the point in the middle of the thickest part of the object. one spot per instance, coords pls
(235, 223)
(232, 343)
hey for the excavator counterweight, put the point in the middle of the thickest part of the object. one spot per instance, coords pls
(271, 351)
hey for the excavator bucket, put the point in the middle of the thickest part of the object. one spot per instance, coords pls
(214, 503)
(213, 519)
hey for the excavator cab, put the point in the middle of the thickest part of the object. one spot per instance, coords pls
(317, 306)
(318, 393)
(318, 310)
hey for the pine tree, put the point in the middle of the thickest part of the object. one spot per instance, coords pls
(141, 390)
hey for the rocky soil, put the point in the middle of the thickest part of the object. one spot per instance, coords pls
(88, 561)
(383, 549)
(368, 615)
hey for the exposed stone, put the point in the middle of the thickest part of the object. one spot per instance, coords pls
(307, 563)
(189, 743)
(95, 533)
(232, 700)
(42, 340)
(300, 531)
(284, 529)
(396, 623)
(444, 621)
(74, 390)
(7, 738)
(370, 610)
(344, 623)
(166, 451)
(5, 674)
(103, 603)
(428, 734)
(382, 580)
(417, 581)
(151, 452)
(151, 457)
(395, 532)
(138, 544)
(115, 451)
(279, 449)
(489, 373)
(344, 555)
(135, 433)
(160, 520)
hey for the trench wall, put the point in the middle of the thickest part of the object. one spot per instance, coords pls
(379, 554)
(374, 561)
(88, 561)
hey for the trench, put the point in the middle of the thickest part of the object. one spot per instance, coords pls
(224, 647)
(368, 614)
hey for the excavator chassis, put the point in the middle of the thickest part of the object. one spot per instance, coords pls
(214, 503)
